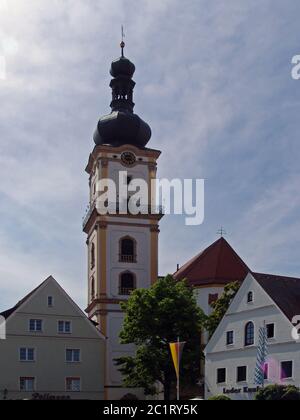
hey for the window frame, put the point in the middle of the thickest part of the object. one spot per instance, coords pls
(126, 291)
(64, 332)
(246, 344)
(73, 361)
(124, 258)
(27, 359)
(237, 374)
(93, 288)
(35, 330)
(250, 301)
(274, 335)
(266, 371)
(225, 376)
(69, 378)
(27, 378)
(289, 378)
(228, 344)
(93, 256)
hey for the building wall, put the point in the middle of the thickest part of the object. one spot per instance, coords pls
(281, 347)
(202, 296)
(50, 368)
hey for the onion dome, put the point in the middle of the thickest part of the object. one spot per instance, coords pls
(122, 125)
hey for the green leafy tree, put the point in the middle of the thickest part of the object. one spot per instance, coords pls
(219, 398)
(154, 318)
(221, 306)
(278, 393)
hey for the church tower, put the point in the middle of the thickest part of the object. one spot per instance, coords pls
(122, 247)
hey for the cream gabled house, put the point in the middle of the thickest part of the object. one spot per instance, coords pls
(52, 350)
(231, 354)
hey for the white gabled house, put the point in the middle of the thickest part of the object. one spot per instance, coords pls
(231, 353)
(52, 350)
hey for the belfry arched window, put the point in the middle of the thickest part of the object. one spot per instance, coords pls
(127, 283)
(93, 256)
(128, 250)
(249, 334)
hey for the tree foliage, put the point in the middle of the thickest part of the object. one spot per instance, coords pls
(154, 318)
(221, 306)
(278, 393)
(219, 398)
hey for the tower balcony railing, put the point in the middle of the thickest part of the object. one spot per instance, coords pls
(127, 258)
(126, 291)
(91, 207)
(117, 209)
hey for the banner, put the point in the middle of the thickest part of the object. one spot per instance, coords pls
(176, 351)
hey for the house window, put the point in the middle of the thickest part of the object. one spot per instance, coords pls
(241, 374)
(64, 327)
(35, 325)
(127, 284)
(212, 298)
(250, 297)
(249, 334)
(270, 330)
(50, 301)
(128, 250)
(93, 257)
(286, 370)
(221, 376)
(27, 384)
(266, 371)
(27, 354)
(73, 384)
(73, 355)
(229, 338)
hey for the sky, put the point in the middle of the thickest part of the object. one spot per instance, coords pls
(213, 81)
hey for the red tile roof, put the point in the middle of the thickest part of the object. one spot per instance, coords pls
(217, 264)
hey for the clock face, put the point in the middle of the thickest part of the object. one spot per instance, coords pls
(128, 158)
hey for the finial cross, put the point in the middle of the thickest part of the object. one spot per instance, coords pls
(122, 42)
(221, 232)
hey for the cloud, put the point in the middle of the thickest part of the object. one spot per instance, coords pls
(213, 80)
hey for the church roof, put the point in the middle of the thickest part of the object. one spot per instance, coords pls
(284, 291)
(217, 264)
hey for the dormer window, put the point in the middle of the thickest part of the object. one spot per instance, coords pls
(250, 297)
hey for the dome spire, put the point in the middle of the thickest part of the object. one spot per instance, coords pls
(122, 125)
(122, 45)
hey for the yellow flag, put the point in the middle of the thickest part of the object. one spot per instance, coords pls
(176, 351)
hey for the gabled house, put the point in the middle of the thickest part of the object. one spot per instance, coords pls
(263, 301)
(52, 350)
